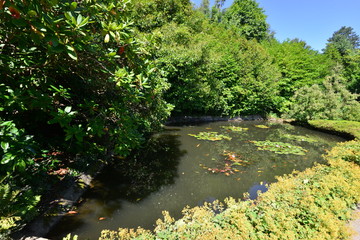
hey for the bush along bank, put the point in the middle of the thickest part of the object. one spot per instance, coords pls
(314, 204)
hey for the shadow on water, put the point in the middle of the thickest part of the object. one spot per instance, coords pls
(128, 180)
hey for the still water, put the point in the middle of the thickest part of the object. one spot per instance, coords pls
(175, 170)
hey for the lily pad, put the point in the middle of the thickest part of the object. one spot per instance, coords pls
(262, 126)
(210, 136)
(300, 138)
(280, 147)
(235, 129)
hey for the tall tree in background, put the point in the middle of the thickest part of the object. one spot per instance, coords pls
(216, 12)
(344, 40)
(247, 18)
(205, 7)
(343, 48)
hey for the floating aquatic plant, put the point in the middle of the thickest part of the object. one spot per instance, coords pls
(211, 136)
(235, 129)
(300, 138)
(262, 126)
(280, 147)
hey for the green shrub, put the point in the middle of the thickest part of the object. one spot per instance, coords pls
(348, 151)
(331, 101)
(16, 206)
(76, 72)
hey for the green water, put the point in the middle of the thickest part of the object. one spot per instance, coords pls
(176, 170)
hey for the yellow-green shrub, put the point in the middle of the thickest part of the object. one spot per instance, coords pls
(348, 151)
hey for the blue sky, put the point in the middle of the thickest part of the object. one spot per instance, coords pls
(313, 21)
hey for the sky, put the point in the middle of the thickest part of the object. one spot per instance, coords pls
(313, 21)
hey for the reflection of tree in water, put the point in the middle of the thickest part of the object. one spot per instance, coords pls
(152, 167)
(131, 179)
(146, 171)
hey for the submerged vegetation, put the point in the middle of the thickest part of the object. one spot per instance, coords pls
(230, 162)
(94, 78)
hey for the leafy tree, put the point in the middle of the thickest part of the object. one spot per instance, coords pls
(352, 71)
(247, 18)
(219, 3)
(299, 65)
(210, 76)
(343, 48)
(217, 12)
(151, 14)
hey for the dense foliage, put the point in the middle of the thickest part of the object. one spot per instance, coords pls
(246, 18)
(95, 76)
(331, 100)
(74, 79)
(343, 47)
(209, 76)
(299, 65)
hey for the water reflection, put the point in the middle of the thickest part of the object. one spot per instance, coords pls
(256, 189)
(127, 181)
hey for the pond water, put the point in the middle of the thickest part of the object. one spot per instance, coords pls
(177, 169)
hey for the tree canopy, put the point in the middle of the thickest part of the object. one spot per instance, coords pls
(247, 18)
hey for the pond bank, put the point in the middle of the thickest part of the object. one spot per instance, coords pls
(60, 201)
(200, 119)
(70, 192)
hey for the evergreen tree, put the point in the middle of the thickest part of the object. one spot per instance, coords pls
(343, 48)
(344, 40)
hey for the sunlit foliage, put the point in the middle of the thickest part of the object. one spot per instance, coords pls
(331, 101)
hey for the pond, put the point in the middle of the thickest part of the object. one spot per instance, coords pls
(190, 165)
